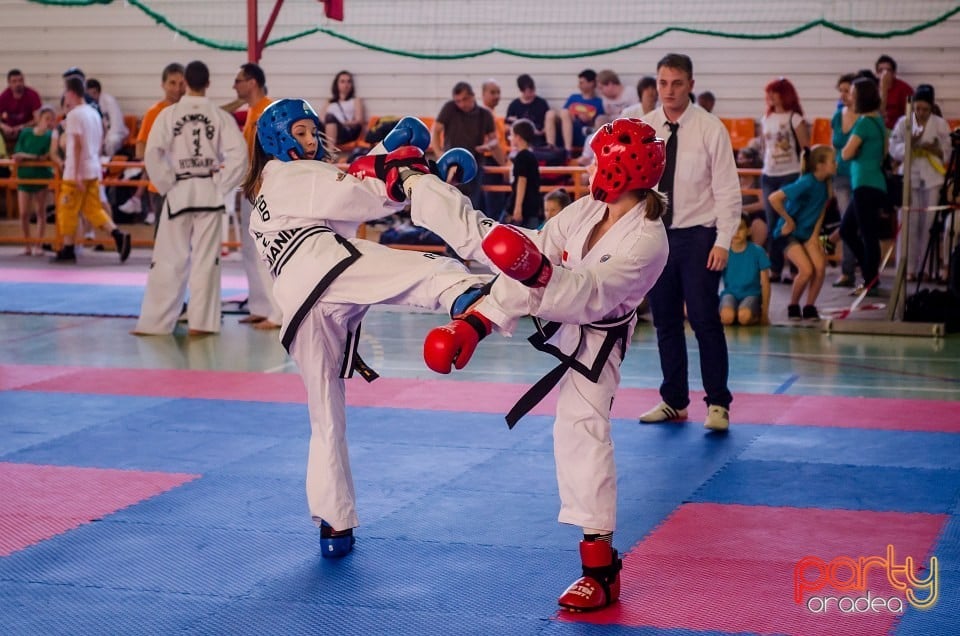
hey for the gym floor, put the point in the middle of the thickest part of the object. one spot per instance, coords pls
(154, 485)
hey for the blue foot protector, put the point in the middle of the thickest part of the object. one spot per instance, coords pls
(334, 544)
(464, 301)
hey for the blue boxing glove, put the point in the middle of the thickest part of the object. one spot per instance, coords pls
(409, 131)
(461, 161)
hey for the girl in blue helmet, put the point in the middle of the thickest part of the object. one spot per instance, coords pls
(304, 223)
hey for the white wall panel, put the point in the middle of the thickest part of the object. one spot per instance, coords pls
(126, 50)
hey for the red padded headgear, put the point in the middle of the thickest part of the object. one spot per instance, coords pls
(630, 156)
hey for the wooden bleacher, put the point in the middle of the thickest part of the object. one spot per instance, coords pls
(573, 177)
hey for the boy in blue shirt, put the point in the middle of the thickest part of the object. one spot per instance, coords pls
(746, 281)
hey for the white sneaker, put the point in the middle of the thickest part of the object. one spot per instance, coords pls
(131, 206)
(151, 219)
(663, 412)
(718, 418)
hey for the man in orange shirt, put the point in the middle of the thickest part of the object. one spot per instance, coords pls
(251, 87)
(174, 88)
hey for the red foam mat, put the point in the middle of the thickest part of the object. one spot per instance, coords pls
(478, 397)
(731, 568)
(43, 501)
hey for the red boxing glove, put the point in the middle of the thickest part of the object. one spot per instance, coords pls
(517, 256)
(386, 168)
(453, 344)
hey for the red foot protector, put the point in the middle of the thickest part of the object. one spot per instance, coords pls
(40, 502)
(771, 570)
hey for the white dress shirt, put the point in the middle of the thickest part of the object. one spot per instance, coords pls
(706, 188)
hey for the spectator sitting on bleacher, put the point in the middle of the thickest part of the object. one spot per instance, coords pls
(707, 100)
(344, 118)
(115, 129)
(578, 115)
(529, 106)
(490, 94)
(647, 94)
(463, 123)
(18, 104)
(615, 98)
(496, 155)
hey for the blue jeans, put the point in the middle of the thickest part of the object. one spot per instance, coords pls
(769, 185)
(686, 279)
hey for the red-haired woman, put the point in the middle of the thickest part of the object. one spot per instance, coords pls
(784, 134)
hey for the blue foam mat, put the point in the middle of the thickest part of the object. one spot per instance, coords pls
(130, 446)
(857, 447)
(75, 299)
(807, 485)
(459, 531)
(65, 610)
(33, 418)
(149, 557)
(942, 618)
(268, 419)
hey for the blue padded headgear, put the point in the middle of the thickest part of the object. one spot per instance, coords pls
(273, 128)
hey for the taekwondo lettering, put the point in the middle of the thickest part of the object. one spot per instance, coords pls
(202, 127)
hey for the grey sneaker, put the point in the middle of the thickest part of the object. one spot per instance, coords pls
(663, 412)
(718, 418)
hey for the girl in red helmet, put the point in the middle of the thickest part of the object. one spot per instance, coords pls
(582, 276)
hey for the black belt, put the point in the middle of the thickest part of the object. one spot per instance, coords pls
(353, 362)
(617, 331)
(183, 176)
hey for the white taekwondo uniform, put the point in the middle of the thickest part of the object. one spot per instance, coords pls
(590, 303)
(195, 155)
(303, 223)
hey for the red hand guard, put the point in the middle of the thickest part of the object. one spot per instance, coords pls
(453, 344)
(517, 256)
(387, 168)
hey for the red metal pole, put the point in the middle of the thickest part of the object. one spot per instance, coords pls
(267, 29)
(253, 50)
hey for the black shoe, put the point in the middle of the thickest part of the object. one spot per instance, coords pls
(123, 245)
(786, 280)
(810, 313)
(65, 255)
(844, 281)
(793, 312)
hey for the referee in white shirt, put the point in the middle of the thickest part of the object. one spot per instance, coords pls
(704, 193)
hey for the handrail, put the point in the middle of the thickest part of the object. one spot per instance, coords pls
(577, 188)
(13, 181)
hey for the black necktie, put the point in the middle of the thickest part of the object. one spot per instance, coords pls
(666, 181)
